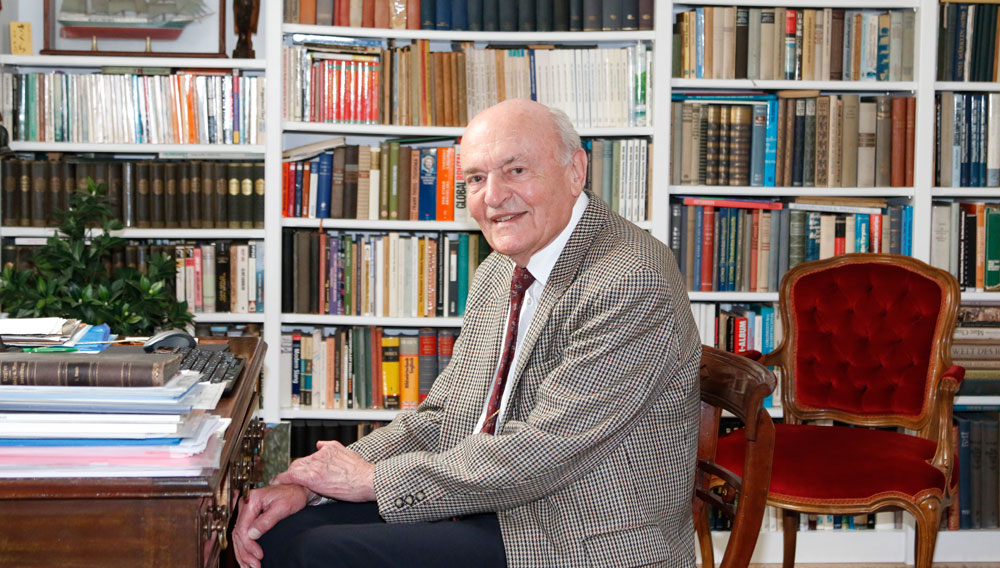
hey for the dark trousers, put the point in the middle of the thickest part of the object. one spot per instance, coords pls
(353, 534)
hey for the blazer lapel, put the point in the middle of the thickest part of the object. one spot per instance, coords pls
(563, 274)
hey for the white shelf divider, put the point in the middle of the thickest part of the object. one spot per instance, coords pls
(488, 37)
(324, 320)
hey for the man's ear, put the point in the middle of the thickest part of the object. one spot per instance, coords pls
(578, 171)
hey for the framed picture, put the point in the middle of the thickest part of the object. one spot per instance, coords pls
(176, 28)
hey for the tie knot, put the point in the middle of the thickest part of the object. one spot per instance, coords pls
(520, 281)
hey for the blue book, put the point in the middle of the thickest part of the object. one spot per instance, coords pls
(861, 232)
(324, 184)
(721, 268)
(882, 54)
(907, 239)
(299, 172)
(812, 235)
(699, 26)
(771, 144)
(459, 14)
(975, 133)
(531, 74)
(964, 472)
(427, 15)
(442, 14)
(735, 231)
(698, 235)
(474, 12)
(758, 134)
(723, 96)
(427, 208)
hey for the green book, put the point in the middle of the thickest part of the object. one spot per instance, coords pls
(991, 275)
(384, 180)
(394, 180)
(463, 272)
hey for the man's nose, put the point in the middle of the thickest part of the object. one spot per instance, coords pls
(496, 191)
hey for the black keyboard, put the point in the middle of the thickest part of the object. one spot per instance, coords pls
(215, 363)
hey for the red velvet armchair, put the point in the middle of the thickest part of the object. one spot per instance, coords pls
(867, 341)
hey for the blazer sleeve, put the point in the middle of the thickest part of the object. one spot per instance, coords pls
(621, 354)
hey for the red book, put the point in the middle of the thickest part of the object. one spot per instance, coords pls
(287, 189)
(911, 126)
(413, 14)
(874, 232)
(446, 184)
(754, 245)
(381, 13)
(741, 203)
(306, 174)
(707, 245)
(368, 14)
(343, 12)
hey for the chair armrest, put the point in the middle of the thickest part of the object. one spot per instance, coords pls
(752, 355)
(951, 379)
(954, 373)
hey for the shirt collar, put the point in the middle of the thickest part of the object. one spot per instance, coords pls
(542, 262)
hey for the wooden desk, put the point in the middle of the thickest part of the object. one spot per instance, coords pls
(164, 522)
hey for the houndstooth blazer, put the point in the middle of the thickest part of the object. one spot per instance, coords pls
(594, 463)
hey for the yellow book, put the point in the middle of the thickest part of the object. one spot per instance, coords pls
(390, 370)
(409, 369)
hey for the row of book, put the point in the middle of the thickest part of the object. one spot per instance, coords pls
(976, 347)
(967, 146)
(794, 138)
(136, 106)
(978, 470)
(366, 81)
(220, 276)
(747, 246)
(379, 274)
(142, 193)
(730, 42)
(361, 367)
(965, 240)
(213, 276)
(475, 15)
(968, 35)
(305, 433)
(390, 181)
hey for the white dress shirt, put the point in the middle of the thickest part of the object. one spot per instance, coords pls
(540, 266)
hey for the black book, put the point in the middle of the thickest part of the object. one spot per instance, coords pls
(526, 15)
(611, 15)
(560, 15)
(223, 286)
(258, 195)
(426, 17)
(170, 172)
(544, 11)
(491, 15)
(142, 192)
(645, 14)
(287, 270)
(742, 40)
(630, 15)
(184, 194)
(799, 141)
(157, 216)
(53, 199)
(313, 272)
(576, 15)
(506, 14)
(592, 15)
(220, 206)
(114, 190)
(474, 11)
(11, 182)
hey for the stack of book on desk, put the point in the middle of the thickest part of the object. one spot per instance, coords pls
(103, 415)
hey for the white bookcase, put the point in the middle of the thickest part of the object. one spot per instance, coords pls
(838, 547)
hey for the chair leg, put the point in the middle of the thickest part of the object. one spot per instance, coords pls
(928, 522)
(790, 526)
(704, 535)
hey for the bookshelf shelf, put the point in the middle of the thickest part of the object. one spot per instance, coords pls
(375, 225)
(966, 86)
(96, 62)
(228, 317)
(806, 3)
(733, 297)
(977, 401)
(229, 151)
(980, 192)
(770, 85)
(346, 414)
(382, 130)
(320, 319)
(762, 192)
(180, 234)
(488, 37)
(972, 296)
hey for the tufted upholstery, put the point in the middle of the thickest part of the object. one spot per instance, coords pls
(867, 343)
(863, 338)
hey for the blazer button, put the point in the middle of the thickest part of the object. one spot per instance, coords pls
(398, 502)
(420, 495)
(409, 499)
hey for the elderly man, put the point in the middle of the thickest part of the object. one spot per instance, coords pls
(564, 431)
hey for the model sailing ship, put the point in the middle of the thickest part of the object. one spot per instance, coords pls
(128, 19)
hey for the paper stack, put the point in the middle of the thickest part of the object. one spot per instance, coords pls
(103, 431)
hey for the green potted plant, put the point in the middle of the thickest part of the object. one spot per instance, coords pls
(70, 278)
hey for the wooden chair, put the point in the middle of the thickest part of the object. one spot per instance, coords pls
(867, 342)
(736, 384)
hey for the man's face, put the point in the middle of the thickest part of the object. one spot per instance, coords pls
(518, 191)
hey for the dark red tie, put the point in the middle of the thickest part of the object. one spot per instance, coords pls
(518, 286)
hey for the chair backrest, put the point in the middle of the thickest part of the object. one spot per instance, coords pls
(738, 385)
(866, 337)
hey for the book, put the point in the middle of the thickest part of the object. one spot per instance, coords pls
(88, 370)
